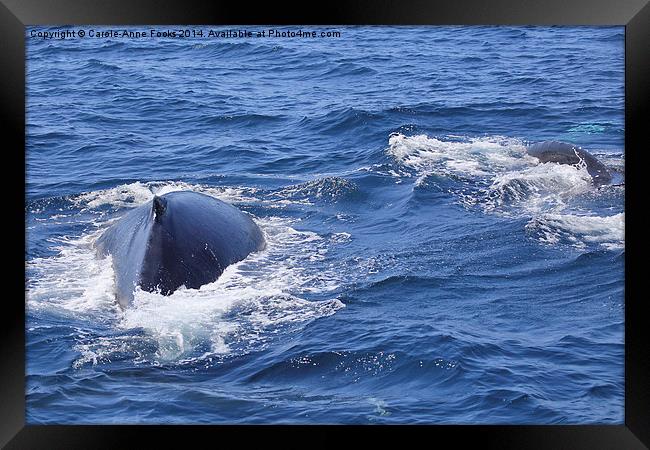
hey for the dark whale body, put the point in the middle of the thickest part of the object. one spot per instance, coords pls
(563, 153)
(180, 238)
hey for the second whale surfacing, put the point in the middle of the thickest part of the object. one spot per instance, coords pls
(177, 239)
(563, 153)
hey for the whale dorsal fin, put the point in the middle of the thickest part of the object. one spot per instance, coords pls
(159, 207)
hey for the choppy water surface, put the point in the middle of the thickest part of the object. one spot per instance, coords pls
(420, 267)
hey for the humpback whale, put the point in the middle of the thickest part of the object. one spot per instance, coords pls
(177, 239)
(563, 153)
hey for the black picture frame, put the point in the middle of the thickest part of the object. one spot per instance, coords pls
(16, 15)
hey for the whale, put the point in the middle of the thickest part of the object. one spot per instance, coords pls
(564, 153)
(181, 238)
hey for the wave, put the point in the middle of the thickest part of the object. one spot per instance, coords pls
(340, 120)
(348, 69)
(328, 189)
(241, 119)
(96, 64)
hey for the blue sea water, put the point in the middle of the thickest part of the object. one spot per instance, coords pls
(420, 267)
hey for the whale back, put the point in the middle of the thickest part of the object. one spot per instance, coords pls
(177, 239)
(563, 153)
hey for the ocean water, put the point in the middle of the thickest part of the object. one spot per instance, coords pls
(420, 267)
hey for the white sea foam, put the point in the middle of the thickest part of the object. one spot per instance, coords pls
(473, 157)
(75, 280)
(341, 238)
(134, 194)
(579, 231)
(539, 188)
